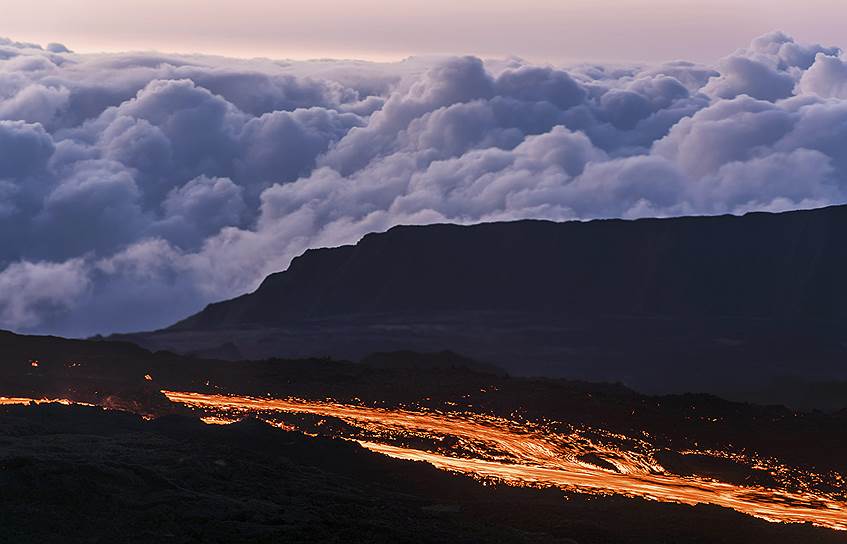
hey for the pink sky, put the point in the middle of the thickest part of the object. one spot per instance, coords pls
(544, 30)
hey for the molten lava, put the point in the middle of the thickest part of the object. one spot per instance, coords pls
(584, 460)
(527, 454)
(7, 401)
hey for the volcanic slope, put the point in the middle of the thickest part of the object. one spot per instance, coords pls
(731, 305)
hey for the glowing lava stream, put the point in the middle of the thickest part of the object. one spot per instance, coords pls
(525, 456)
(8, 401)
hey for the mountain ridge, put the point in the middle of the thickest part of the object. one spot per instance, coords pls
(737, 306)
(656, 253)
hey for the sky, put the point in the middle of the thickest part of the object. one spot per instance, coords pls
(539, 30)
(146, 170)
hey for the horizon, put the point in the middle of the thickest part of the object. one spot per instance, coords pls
(538, 30)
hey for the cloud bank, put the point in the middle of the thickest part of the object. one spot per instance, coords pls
(135, 188)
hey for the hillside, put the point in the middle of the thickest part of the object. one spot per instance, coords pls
(784, 266)
(663, 305)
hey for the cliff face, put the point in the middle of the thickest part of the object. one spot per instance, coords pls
(786, 267)
(737, 306)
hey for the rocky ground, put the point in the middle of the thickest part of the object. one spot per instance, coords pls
(78, 474)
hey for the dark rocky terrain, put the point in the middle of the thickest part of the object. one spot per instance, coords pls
(79, 474)
(83, 475)
(737, 306)
(113, 374)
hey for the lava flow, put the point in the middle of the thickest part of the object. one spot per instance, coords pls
(525, 454)
(8, 401)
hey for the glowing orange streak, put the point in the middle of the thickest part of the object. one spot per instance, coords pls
(8, 401)
(536, 460)
(661, 488)
(474, 427)
(212, 420)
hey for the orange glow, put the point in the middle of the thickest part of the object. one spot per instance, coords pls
(585, 460)
(8, 401)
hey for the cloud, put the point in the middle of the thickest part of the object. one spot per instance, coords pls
(24, 149)
(452, 82)
(135, 188)
(751, 77)
(36, 104)
(727, 131)
(94, 208)
(199, 209)
(827, 77)
(537, 84)
(32, 292)
(771, 183)
(786, 52)
(768, 69)
(284, 145)
(57, 48)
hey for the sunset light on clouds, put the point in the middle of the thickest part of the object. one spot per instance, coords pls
(539, 30)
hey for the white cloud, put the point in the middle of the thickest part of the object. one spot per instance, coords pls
(31, 293)
(160, 182)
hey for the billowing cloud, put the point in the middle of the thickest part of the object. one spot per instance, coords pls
(827, 77)
(768, 69)
(31, 293)
(24, 149)
(135, 188)
(199, 209)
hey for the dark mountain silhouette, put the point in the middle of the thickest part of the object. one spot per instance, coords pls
(720, 304)
(762, 266)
